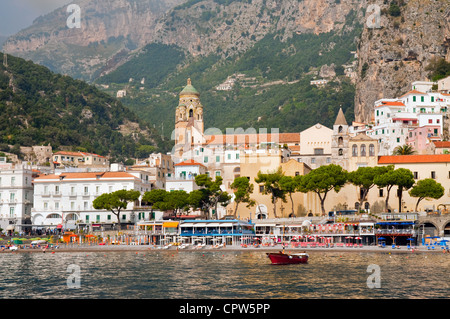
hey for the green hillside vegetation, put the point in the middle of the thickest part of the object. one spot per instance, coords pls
(291, 106)
(41, 107)
(154, 62)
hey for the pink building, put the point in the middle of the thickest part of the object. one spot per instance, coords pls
(421, 138)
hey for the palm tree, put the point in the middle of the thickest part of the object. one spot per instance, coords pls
(404, 150)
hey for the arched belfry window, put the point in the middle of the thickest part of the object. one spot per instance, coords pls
(340, 141)
(371, 150)
(191, 113)
(354, 150)
(363, 150)
(340, 129)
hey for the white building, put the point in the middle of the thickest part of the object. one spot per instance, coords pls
(16, 196)
(394, 118)
(121, 93)
(66, 199)
(184, 176)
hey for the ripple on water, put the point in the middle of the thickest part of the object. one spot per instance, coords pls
(224, 274)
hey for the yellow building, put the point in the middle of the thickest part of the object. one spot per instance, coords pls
(268, 161)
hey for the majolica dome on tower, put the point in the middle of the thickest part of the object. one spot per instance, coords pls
(189, 89)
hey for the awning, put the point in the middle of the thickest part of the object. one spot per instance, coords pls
(170, 224)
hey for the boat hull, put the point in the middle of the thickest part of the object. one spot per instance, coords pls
(286, 259)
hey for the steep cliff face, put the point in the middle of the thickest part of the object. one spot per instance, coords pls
(396, 54)
(229, 27)
(109, 28)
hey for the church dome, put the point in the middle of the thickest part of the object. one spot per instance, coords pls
(189, 89)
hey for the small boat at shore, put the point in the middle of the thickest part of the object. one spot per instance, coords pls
(282, 258)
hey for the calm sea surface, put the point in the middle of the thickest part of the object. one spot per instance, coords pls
(221, 274)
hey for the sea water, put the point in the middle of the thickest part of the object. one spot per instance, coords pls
(222, 275)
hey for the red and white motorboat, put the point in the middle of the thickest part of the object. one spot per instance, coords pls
(282, 258)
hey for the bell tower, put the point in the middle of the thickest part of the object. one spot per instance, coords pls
(340, 141)
(189, 124)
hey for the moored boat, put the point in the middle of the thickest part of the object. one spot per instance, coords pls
(282, 258)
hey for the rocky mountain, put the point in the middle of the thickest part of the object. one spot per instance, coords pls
(277, 45)
(411, 34)
(109, 30)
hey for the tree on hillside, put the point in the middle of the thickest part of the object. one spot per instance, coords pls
(426, 188)
(242, 189)
(322, 180)
(116, 201)
(364, 178)
(272, 187)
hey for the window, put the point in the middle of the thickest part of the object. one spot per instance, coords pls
(354, 150)
(97, 218)
(371, 150)
(363, 150)
(237, 155)
(229, 156)
(433, 175)
(318, 151)
(11, 211)
(340, 141)
(217, 173)
(380, 192)
(416, 175)
(87, 218)
(313, 160)
(328, 160)
(340, 129)
(205, 159)
(13, 181)
(12, 196)
(414, 98)
(261, 188)
(72, 205)
(422, 99)
(85, 205)
(56, 205)
(217, 158)
(340, 152)
(430, 121)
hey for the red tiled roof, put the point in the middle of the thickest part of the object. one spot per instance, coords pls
(441, 144)
(397, 103)
(281, 138)
(189, 163)
(76, 154)
(413, 92)
(409, 159)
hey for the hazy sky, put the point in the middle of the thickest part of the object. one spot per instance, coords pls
(19, 14)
